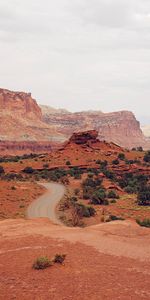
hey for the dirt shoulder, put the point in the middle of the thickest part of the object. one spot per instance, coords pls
(15, 197)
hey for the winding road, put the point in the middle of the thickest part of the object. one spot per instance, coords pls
(45, 205)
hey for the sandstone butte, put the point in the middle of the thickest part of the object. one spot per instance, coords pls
(28, 127)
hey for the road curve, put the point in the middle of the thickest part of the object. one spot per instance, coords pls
(45, 205)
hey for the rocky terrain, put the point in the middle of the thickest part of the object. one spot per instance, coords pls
(22, 119)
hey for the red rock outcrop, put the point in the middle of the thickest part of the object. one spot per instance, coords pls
(21, 120)
(84, 137)
(19, 103)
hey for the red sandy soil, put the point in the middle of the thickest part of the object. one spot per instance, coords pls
(109, 261)
(16, 196)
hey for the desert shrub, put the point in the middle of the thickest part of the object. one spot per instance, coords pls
(45, 165)
(98, 161)
(132, 183)
(84, 211)
(28, 170)
(112, 194)
(91, 210)
(90, 175)
(73, 199)
(115, 162)
(93, 170)
(109, 174)
(42, 262)
(144, 195)
(115, 218)
(144, 223)
(74, 171)
(1, 170)
(121, 156)
(103, 164)
(13, 176)
(139, 149)
(77, 191)
(59, 258)
(77, 176)
(130, 189)
(99, 197)
(147, 157)
(113, 201)
(130, 161)
(92, 182)
(13, 188)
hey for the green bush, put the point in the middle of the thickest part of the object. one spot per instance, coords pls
(59, 258)
(42, 262)
(115, 218)
(144, 195)
(28, 170)
(84, 211)
(112, 195)
(115, 162)
(121, 156)
(147, 157)
(1, 170)
(68, 163)
(45, 165)
(99, 197)
(113, 201)
(144, 223)
(130, 190)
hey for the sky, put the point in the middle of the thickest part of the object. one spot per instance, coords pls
(78, 54)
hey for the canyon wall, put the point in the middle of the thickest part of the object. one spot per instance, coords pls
(120, 127)
(22, 119)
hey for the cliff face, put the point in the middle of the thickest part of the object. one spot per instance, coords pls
(121, 127)
(22, 104)
(22, 119)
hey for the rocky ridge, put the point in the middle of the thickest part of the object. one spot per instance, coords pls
(120, 127)
(22, 119)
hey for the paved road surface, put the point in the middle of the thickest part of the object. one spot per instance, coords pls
(45, 205)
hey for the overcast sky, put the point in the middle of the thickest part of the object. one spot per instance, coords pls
(78, 54)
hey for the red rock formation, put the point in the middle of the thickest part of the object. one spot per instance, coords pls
(121, 127)
(84, 137)
(21, 119)
(19, 103)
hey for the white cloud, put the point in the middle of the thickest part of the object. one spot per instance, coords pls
(78, 54)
